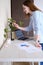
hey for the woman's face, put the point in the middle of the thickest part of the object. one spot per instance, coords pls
(26, 9)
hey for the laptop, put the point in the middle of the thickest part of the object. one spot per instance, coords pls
(20, 35)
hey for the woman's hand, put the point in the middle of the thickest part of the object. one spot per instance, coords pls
(16, 25)
(38, 45)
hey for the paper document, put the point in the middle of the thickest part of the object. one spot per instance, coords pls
(28, 47)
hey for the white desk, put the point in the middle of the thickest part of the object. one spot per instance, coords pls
(11, 53)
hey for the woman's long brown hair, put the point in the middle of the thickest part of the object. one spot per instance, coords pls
(30, 4)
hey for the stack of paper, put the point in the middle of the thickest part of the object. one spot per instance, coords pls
(28, 47)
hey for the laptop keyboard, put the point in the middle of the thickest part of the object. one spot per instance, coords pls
(23, 38)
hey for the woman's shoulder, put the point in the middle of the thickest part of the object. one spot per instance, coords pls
(37, 13)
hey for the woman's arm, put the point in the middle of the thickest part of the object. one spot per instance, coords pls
(27, 28)
(18, 27)
(37, 28)
(37, 37)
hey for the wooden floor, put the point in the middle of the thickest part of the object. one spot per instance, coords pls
(24, 63)
(18, 63)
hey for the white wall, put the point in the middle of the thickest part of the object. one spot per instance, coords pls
(6, 63)
(5, 13)
(39, 4)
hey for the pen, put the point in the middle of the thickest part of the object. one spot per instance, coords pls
(25, 45)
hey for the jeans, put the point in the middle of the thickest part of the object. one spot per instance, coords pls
(41, 63)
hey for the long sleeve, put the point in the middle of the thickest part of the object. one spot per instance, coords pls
(36, 23)
(29, 27)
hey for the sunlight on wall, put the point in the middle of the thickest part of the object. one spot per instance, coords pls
(5, 13)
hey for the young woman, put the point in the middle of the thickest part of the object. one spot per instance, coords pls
(36, 22)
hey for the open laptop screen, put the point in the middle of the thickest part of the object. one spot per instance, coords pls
(19, 34)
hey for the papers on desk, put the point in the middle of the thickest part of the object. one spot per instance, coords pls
(28, 47)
